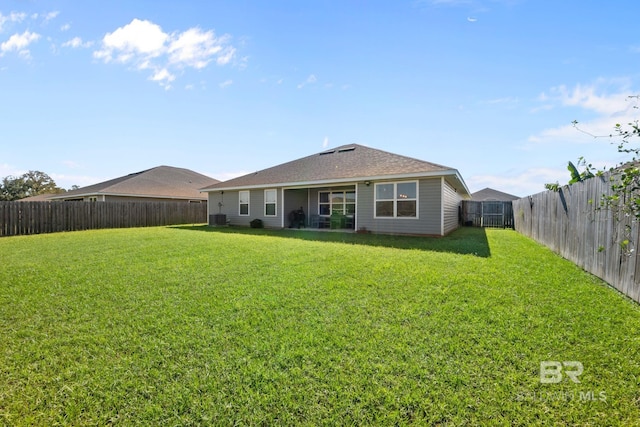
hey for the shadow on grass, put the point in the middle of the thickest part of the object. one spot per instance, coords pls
(465, 240)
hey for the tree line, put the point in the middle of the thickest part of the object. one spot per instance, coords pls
(29, 184)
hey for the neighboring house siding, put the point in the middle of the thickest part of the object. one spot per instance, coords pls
(428, 221)
(450, 207)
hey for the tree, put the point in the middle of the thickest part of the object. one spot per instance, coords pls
(12, 188)
(625, 178)
(29, 184)
(576, 175)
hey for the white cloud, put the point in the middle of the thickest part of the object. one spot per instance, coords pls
(67, 181)
(503, 101)
(76, 42)
(65, 27)
(51, 15)
(310, 80)
(10, 170)
(528, 182)
(139, 39)
(195, 48)
(226, 55)
(226, 83)
(145, 45)
(589, 98)
(19, 43)
(325, 142)
(163, 77)
(12, 17)
(605, 106)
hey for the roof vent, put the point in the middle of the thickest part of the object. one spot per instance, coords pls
(327, 152)
(343, 149)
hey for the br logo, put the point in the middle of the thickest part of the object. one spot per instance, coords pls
(552, 372)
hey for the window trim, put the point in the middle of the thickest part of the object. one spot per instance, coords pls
(275, 203)
(248, 203)
(395, 200)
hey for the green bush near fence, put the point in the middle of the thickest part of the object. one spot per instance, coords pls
(226, 326)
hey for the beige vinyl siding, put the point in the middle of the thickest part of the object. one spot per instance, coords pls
(450, 207)
(429, 210)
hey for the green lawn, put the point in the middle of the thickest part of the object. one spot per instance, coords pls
(203, 326)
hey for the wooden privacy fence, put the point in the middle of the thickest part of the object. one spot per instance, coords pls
(603, 242)
(19, 218)
(487, 214)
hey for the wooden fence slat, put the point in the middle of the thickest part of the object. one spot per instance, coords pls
(49, 217)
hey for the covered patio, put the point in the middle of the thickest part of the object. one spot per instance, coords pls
(321, 207)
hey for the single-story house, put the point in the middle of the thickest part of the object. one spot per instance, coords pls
(491, 195)
(159, 184)
(349, 187)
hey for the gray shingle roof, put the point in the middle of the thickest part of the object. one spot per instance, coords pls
(347, 162)
(489, 194)
(161, 181)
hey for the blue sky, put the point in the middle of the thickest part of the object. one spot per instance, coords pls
(95, 90)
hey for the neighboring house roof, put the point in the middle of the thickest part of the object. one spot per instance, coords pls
(38, 198)
(342, 164)
(159, 182)
(489, 194)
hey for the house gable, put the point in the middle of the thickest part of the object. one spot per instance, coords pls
(489, 194)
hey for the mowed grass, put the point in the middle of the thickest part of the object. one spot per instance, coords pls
(202, 326)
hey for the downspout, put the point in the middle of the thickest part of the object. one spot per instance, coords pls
(208, 206)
